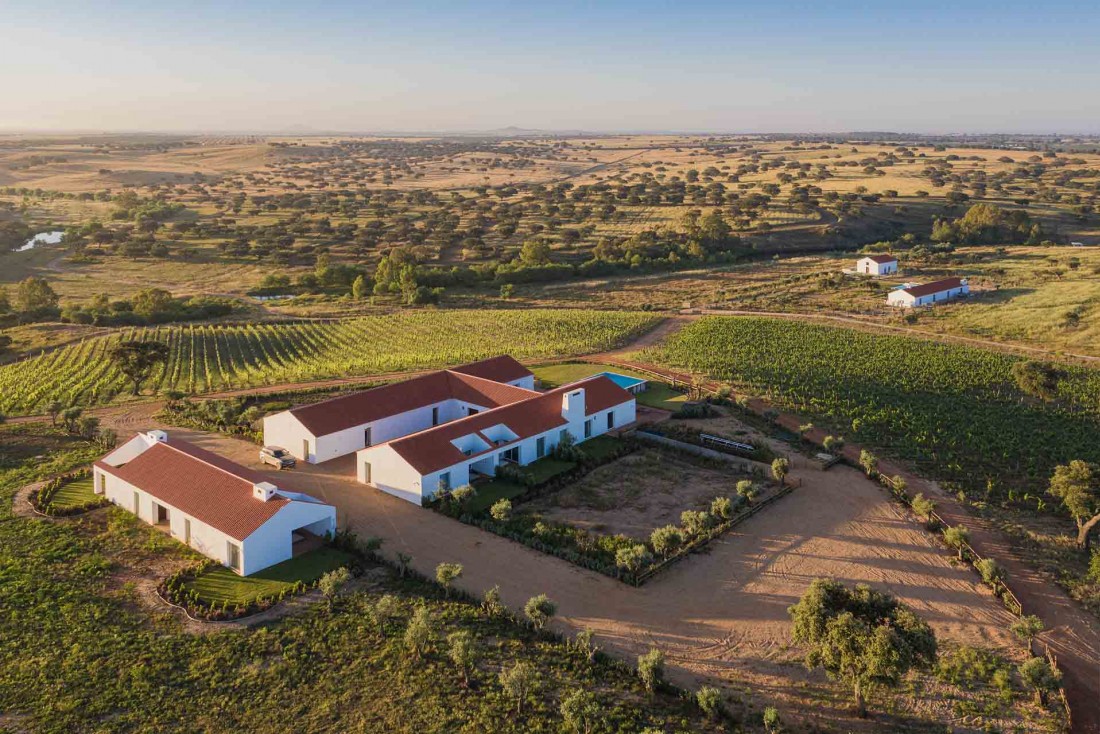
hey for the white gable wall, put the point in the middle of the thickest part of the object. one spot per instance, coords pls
(286, 431)
(867, 266)
(271, 543)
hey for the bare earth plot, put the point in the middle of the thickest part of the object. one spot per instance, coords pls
(719, 616)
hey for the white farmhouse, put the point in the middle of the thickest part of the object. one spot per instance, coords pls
(929, 293)
(877, 265)
(344, 425)
(219, 508)
(517, 431)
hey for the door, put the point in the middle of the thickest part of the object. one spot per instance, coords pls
(366, 472)
(367, 438)
(162, 515)
(610, 419)
(540, 447)
(305, 449)
(187, 531)
(137, 504)
(435, 416)
(588, 428)
(233, 556)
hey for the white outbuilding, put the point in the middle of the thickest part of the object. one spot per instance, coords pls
(220, 508)
(929, 293)
(877, 265)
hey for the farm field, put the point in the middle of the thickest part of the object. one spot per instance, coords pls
(206, 358)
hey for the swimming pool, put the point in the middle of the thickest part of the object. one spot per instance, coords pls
(633, 384)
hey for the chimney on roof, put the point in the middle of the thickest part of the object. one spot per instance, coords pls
(264, 491)
(572, 405)
(157, 436)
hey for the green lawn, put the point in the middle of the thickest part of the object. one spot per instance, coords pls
(497, 489)
(656, 395)
(218, 584)
(74, 494)
(600, 448)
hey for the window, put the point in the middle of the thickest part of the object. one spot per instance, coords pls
(471, 411)
(610, 419)
(233, 556)
(435, 416)
(562, 436)
(588, 428)
(444, 481)
(540, 447)
(511, 455)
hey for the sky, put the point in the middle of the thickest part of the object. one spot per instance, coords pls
(406, 65)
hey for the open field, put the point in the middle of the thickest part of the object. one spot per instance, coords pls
(213, 357)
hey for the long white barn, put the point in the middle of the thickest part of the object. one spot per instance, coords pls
(344, 425)
(221, 509)
(929, 293)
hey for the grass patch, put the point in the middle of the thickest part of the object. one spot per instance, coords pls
(218, 584)
(76, 493)
(659, 395)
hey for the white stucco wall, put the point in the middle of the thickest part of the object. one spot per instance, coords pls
(867, 266)
(905, 300)
(393, 475)
(268, 545)
(286, 431)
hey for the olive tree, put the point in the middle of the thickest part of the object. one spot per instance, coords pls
(518, 681)
(1041, 676)
(539, 610)
(446, 573)
(137, 359)
(651, 669)
(781, 467)
(581, 711)
(861, 637)
(1075, 484)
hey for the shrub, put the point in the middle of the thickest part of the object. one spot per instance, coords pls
(695, 522)
(747, 491)
(633, 558)
(968, 667)
(1039, 675)
(501, 511)
(462, 495)
(463, 653)
(869, 463)
(585, 644)
(990, 570)
(772, 723)
(666, 540)
(492, 603)
(651, 669)
(539, 610)
(331, 583)
(721, 508)
(957, 537)
(780, 469)
(709, 700)
(923, 506)
(1094, 567)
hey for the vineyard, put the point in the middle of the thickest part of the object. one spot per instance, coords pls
(205, 358)
(956, 409)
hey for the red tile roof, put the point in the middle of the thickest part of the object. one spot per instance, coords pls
(202, 484)
(935, 287)
(431, 450)
(474, 383)
(882, 259)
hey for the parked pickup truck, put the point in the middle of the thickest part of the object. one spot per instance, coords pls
(277, 457)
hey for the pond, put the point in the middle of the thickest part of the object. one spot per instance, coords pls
(42, 238)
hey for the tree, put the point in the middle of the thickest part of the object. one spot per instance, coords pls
(633, 558)
(54, 408)
(535, 252)
(1027, 628)
(35, 294)
(87, 427)
(1075, 484)
(580, 710)
(404, 560)
(359, 287)
(446, 573)
(991, 571)
(781, 467)
(463, 653)
(957, 537)
(666, 540)
(869, 462)
(772, 723)
(151, 302)
(805, 428)
(331, 583)
(1040, 675)
(861, 637)
(419, 632)
(518, 682)
(1039, 379)
(382, 611)
(137, 359)
(651, 669)
(507, 290)
(501, 510)
(694, 521)
(539, 609)
(833, 444)
(69, 418)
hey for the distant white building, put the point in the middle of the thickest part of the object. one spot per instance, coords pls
(929, 293)
(220, 508)
(877, 265)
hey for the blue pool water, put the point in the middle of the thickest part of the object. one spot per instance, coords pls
(623, 381)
